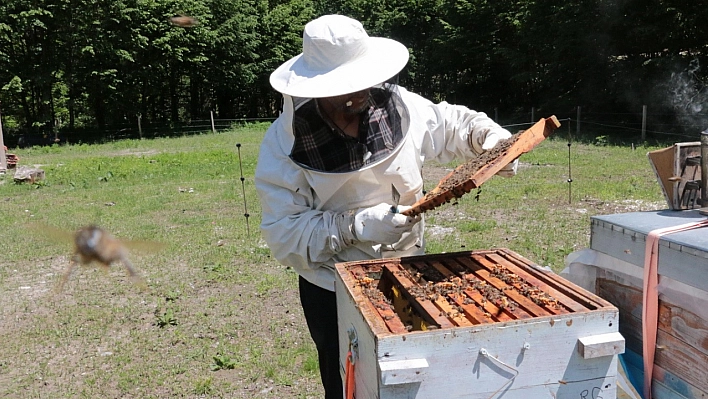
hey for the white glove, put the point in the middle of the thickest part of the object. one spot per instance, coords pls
(490, 141)
(510, 169)
(492, 138)
(379, 225)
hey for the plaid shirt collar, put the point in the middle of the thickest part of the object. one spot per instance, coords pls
(322, 146)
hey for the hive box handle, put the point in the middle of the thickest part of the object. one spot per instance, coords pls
(601, 345)
(397, 372)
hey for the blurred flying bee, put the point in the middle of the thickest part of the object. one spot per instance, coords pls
(94, 244)
(184, 21)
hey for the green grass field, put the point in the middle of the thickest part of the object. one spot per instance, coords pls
(221, 318)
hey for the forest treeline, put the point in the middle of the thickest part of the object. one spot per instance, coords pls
(67, 65)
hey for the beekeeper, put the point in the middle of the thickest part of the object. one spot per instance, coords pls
(346, 135)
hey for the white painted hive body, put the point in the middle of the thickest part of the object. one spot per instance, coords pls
(613, 267)
(480, 324)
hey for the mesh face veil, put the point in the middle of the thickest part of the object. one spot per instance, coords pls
(383, 124)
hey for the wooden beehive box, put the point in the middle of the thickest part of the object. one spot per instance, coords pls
(480, 324)
(678, 170)
(683, 256)
(682, 334)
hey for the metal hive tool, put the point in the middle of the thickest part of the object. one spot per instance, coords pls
(474, 173)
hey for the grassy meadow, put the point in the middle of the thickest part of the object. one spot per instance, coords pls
(220, 317)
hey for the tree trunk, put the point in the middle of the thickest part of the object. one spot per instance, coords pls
(194, 97)
(174, 98)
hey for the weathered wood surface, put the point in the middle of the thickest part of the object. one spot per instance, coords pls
(665, 384)
(673, 172)
(682, 337)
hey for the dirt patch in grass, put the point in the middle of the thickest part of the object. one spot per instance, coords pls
(135, 152)
(103, 337)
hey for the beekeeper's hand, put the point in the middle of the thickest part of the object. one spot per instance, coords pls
(510, 169)
(379, 225)
(491, 139)
(482, 138)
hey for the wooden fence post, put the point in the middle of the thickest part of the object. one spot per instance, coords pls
(213, 129)
(3, 156)
(140, 128)
(644, 123)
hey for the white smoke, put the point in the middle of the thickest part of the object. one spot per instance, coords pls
(688, 96)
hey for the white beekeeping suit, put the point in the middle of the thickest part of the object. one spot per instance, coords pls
(307, 213)
(328, 163)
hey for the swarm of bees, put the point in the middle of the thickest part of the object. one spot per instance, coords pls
(94, 244)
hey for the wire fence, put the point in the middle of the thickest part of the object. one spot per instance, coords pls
(136, 130)
(176, 129)
(639, 127)
(593, 127)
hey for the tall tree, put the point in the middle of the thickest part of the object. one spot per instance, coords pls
(28, 65)
(281, 30)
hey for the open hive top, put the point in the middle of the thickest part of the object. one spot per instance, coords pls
(462, 289)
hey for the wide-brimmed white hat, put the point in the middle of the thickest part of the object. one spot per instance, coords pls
(338, 57)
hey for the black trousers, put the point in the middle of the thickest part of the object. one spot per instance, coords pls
(320, 308)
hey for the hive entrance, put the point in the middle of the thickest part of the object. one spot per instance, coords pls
(465, 289)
